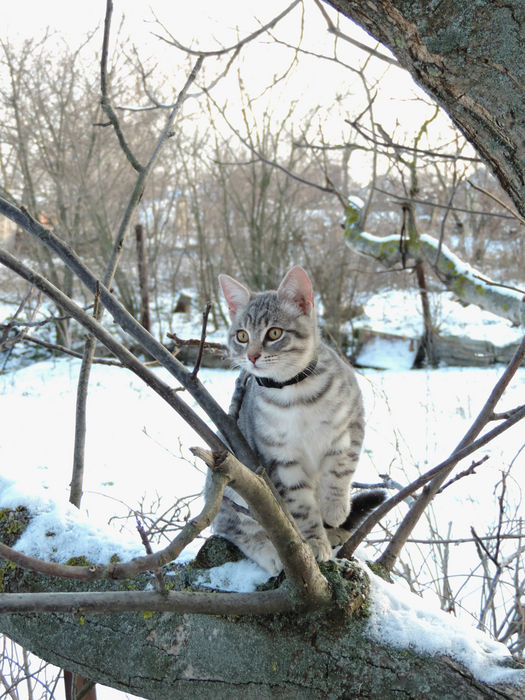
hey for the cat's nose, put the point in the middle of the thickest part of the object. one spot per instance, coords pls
(253, 358)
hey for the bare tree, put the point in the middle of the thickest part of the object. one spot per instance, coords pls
(320, 599)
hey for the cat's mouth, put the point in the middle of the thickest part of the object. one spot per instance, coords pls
(257, 367)
(271, 368)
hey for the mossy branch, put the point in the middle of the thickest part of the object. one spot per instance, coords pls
(458, 277)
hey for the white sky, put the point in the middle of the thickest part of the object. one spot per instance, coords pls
(207, 24)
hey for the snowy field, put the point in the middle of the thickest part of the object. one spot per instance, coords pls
(137, 455)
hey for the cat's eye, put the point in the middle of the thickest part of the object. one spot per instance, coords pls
(242, 336)
(274, 333)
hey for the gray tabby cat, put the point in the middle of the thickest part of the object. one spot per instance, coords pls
(301, 413)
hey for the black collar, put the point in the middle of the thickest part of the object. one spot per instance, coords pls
(272, 384)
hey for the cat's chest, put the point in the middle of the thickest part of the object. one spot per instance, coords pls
(296, 431)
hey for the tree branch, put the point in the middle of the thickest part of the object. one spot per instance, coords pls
(213, 603)
(392, 551)
(444, 468)
(235, 47)
(458, 277)
(125, 570)
(104, 100)
(143, 172)
(122, 353)
(296, 555)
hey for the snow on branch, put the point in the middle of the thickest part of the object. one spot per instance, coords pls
(457, 276)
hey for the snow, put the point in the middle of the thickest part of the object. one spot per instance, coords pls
(58, 531)
(242, 577)
(137, 454)
(404, 620)
(399, 312)
(388, 353)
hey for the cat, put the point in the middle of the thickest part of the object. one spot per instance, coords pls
(301, 413)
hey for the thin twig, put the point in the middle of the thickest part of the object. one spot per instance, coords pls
(467, 472)
(104, 101)
(235, 47)
(161, 581)
(388, 144)
(491, 283)
(438, 205)
(338, 33)
(498, 201)
(65, 351)
(458, 540)
(392, 551)
(198, 361)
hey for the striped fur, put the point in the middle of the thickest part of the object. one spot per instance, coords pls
(308, 435)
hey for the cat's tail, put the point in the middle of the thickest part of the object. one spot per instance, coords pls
(361, 505)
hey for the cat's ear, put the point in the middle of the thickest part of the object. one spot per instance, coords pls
(297, 287)
(235, 293)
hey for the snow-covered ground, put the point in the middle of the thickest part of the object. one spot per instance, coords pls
(399, 312)
(137, 453)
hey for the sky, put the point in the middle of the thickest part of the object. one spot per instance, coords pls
(399, 105)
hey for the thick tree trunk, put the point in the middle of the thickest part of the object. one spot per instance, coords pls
(468, 54)
(323, 654)
(169, 656)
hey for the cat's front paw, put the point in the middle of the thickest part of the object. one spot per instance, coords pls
(336, 513)
(337, 536)
(269, 561)
(321, 548)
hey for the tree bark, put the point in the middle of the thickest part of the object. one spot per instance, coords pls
(170, 655)
(165, 656)
(142, 261)
(469, 56)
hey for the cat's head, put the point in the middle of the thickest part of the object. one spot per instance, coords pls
(272, 334)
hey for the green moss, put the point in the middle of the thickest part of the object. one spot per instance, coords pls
(7, 568)
(215, 552)
(352, 216)
(13, 522)
(78, 561)
(349, 585)
(380, 571)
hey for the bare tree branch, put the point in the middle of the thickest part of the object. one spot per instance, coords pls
(123, 354)
(437, 472)
(391, 553)
(104, 101)
(54, 347)
(89, 349)
(498, 201)
(273, 163)
(213, 603)
(202, 342)
(235, 47)
(341, 35)
(296, 555)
